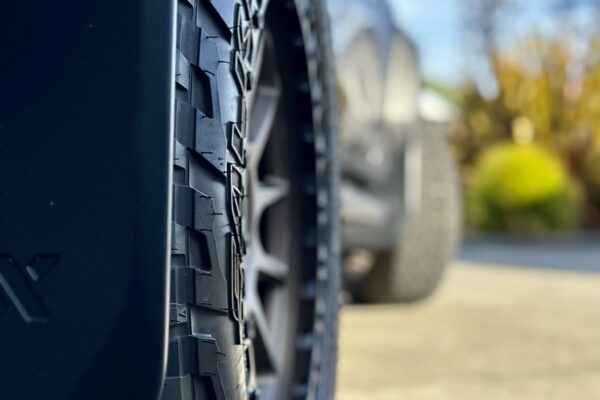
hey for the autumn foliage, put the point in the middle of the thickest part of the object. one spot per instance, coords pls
(548, 95)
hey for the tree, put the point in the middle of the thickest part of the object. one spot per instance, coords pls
(549, 94)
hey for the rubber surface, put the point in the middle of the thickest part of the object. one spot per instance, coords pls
(413, 269)
(207, 352)
(206, 347)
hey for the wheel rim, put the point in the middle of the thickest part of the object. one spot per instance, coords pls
(270, 279)
(289, 236)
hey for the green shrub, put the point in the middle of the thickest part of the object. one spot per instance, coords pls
(522, 188)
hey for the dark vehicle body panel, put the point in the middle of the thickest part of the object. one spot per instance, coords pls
(85, 137)
(379, 83)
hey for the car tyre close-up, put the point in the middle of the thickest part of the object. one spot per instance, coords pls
(255, 257)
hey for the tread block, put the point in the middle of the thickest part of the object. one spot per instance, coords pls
(201, 98)
(183, 206)
(194, 209)
(180, 388)
(189, 40)
(180, 157)
(182, 71)
(178, 239)
(185, 123)
(208, 356)
(178, 315)
(211, 143)
(200, 288)
(210, 291)
(225, 9)
(212, 16)
(204, 212)
(210, 59)
(183, 280)
(193, 356)
(180, 361)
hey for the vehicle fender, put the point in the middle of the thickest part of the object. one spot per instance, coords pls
(86, 99)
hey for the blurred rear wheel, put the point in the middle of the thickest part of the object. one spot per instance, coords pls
(414, 268)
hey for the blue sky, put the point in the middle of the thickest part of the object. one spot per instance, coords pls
(445, 50)
(435, 27)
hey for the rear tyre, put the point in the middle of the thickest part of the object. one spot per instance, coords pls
(255, 257)
(413, 269)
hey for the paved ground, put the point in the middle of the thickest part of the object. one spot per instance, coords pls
(490, 333)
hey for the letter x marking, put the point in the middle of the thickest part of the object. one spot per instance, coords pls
(18, 283)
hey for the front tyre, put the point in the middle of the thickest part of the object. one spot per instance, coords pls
(254, 263)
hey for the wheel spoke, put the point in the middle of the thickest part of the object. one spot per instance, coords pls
(268, 193)
(272, 267)
(264, 111)
(267, 262)
(264, 339)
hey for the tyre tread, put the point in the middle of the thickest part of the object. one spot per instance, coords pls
(206, 355)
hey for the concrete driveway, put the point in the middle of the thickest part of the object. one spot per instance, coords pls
(491, 332)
